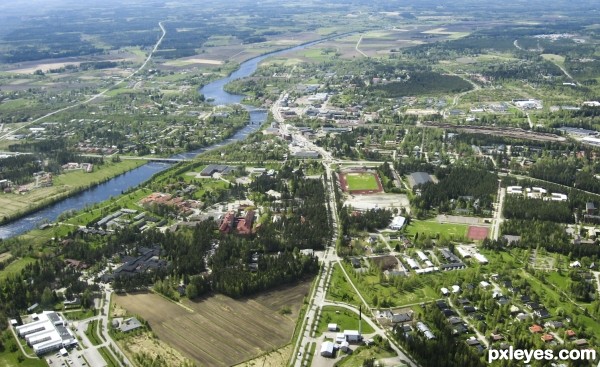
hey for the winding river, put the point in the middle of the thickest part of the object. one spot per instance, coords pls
(114, 187)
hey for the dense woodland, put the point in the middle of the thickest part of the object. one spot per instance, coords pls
(548, 235)
(545, 210)
(421, 83)
(472, 184)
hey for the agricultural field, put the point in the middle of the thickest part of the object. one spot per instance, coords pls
(217, 322)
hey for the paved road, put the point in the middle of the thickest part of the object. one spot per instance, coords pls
(498, 213)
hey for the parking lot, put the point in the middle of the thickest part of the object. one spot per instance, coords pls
(74, 359)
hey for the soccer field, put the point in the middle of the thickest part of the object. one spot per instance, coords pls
(361, 181)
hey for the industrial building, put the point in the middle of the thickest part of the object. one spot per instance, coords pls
(46, 332)
(327, 349)
(418, 178)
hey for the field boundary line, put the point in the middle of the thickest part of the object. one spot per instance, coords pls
(188, 309)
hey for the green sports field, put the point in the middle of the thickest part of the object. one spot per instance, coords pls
(361, 181)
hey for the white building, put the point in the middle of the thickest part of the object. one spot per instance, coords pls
(397, 223)
(411, 263)
(47, 332)
(558, 197)
(327, 349)
(514, 190)
(422, 256)
(332, 327)
(481, 258)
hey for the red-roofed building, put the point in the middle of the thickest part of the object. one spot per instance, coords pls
(547, 338)
(570, 334)
(536, 328)
(227, 222)
(245, 224)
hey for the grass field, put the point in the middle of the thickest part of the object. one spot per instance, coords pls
(557, 59)
(361, 354)
(8, 359)
(432, 228)
(361, 181)
(218, 330)
(15, 267)
(369, 285)
(339, 288)
(344, 318)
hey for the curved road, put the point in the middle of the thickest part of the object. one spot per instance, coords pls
(156, 46)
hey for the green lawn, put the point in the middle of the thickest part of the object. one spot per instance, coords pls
(79, 314)
(339, 288)
(361, 354)
(361, 181)
(78, 178)
(92, 334)
(344, 318)
(108, 358)
(432, 228)
(15, 267)
(8, 359)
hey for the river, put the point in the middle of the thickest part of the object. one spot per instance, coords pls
(114, 187)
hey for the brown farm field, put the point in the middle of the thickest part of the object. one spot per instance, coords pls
(218, 330)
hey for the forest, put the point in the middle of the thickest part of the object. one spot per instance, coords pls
(548, 235)
(419, 83)
(472, 184)
(545, 210)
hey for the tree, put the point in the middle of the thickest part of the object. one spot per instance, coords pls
(47, 298)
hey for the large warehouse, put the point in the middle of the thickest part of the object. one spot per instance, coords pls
(47, 332)
(418, 178)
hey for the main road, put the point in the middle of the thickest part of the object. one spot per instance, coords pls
(329, 258)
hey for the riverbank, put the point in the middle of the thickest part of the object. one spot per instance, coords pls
(16, 206)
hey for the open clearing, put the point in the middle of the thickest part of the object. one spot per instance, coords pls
(5, 256)
(218, 330)
(381, 201)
